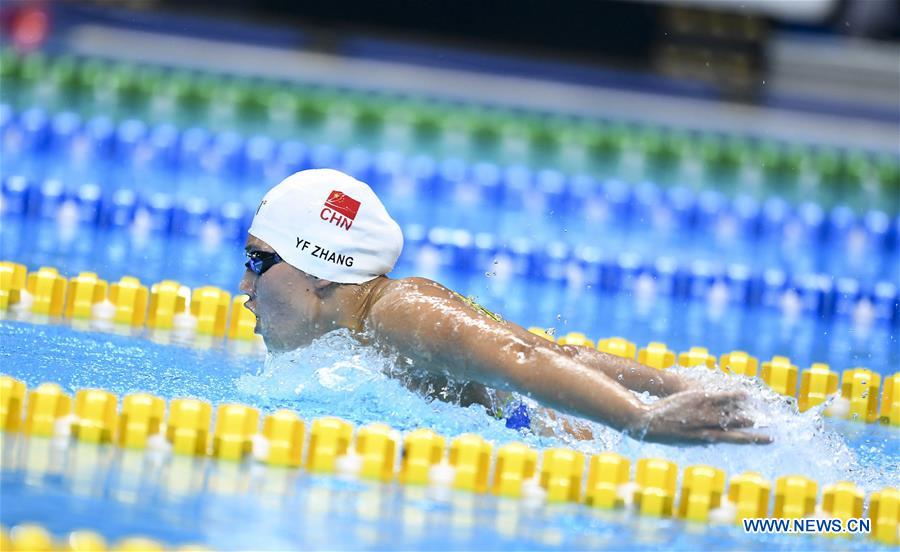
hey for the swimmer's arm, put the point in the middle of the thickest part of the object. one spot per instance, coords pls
(423, 321)
(554, 380)
(631, 374)
(438, 330)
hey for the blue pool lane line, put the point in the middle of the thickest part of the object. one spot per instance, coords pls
(172, 212)
(227, 155)
(468, 197)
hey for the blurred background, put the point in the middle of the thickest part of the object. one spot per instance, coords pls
(689, 171)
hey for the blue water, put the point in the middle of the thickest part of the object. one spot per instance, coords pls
(308, 513)
(337, 376)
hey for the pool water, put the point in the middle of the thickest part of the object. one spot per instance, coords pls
(186, 500)
(338, 377)
(276, 511)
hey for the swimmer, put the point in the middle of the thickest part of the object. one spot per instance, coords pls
(318, 250)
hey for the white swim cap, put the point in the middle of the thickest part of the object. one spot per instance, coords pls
(329, 225)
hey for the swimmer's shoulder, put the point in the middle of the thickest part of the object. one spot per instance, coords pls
(416, 290)
(403, 298)
(394, 296)
(425, 301)
(410, 289)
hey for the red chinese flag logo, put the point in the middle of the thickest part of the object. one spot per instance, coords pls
(343, 204)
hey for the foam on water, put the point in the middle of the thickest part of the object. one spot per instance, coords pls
(338, 376)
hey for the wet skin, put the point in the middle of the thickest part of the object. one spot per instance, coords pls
(444, 337)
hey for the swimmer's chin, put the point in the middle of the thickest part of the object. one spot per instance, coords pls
(271, 345)
(275, 345)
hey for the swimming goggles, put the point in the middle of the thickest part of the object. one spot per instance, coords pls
(260, 261)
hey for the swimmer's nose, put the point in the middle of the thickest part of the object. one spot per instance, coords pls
(248, 283)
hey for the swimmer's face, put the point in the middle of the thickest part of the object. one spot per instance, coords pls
(284, 300)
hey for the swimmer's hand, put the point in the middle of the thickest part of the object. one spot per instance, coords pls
(697, 416)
